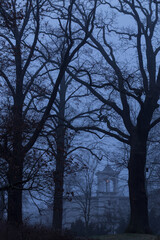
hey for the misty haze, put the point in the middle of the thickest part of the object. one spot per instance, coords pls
(79, 119)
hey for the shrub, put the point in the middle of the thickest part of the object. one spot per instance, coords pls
(10, 232)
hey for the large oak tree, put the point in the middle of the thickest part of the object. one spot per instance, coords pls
(125, 77)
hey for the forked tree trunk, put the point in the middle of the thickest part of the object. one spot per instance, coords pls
(137, 187)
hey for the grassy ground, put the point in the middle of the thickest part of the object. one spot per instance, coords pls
(127, 237)
(8, 232)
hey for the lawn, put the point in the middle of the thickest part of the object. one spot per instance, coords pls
(127, 237)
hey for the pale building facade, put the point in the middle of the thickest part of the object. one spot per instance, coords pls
(108, 206)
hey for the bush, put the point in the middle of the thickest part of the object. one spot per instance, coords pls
(154, 219)
(9, 232)
(78, 229)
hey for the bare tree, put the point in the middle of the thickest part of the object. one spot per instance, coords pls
(128, 88)
(21, 69)
(61, 144)
(82, 186)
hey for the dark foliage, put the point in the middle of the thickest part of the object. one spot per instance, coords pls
(154, 218)
(122, 225)
(78, 229)
(8, 232)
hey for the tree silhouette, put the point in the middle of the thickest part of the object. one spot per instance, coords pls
(127, 84)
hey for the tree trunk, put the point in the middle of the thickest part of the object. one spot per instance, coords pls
(137, 187)
(15, 192)
(86, 228)
(14, 207)
(60, 161)
(58, 180)
(15, 174)
(58, 197)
